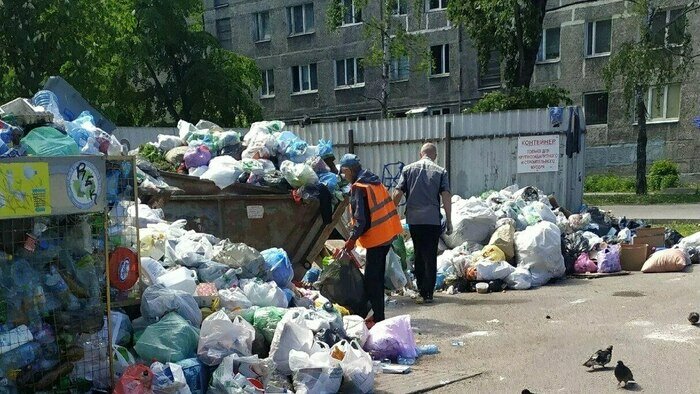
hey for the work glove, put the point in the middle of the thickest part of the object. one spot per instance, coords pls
(448, 229)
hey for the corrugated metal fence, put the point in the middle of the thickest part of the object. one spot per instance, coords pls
(483, 147)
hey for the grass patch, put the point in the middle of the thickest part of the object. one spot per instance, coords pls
(608, 183)
(633, 199)
(686, 229)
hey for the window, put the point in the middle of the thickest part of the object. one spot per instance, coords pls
(352, 16)
(301, 19)
(668, 28)
(663, 102)
(441, 59)
(440, 111)
(349, 72)
(598, 38)
(595, 106)
(268, 83)
(399, 69)
(549, 46)
(400, 7)
(220, 3)
(223, 32)
(490, 77)
(304, 79)
(261, 20)
(437, 4)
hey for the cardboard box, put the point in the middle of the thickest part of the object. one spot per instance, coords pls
(633, 257)
(654, 237)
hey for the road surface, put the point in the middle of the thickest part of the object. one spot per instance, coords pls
(508, 340)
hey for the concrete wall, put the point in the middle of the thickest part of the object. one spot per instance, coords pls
(612, 147)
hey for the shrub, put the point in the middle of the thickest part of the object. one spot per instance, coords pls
(663, 174)
(521, 98)
(608, 183)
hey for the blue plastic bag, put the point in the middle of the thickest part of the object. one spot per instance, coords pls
(297, 150)
(278, 266)
(330, 180)
(196, 375)
(325, 148)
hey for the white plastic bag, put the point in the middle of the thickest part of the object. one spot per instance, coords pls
(355, 328)
(473, 220)
(221, 337)
(519, 279)
(317, 372)
(290, 334)
(357, 369)
(486, 270)
(264, 293)
(169, 379)
(193, 253)
(394, 278)
(537, 211)
(539, 250)
(168, 142)
(392, 338)
(298, 175)
(223, 171)
(234, 299)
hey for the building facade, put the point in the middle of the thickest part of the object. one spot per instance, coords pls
(311, 70)
(308, 70)
(578, 41)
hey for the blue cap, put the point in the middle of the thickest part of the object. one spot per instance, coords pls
(349, 160)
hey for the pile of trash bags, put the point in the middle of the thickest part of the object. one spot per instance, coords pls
(266, 155)
(222, 317)
(37, 127)
(520, 238)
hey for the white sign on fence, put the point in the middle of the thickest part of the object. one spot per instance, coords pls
(538, 154)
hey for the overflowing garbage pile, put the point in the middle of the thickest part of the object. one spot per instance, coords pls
(266, 156)
(36, 127)
(519, 238)
(221, 315)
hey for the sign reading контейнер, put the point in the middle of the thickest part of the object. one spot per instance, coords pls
(538, 154)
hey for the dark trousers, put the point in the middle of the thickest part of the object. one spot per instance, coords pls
(374, 279)
(425, 244)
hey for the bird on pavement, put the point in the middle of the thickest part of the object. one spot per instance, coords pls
(623, 374)
(694, 317)
(526, 391)
(600, 358)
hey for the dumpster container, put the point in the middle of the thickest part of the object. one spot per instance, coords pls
(259, 220)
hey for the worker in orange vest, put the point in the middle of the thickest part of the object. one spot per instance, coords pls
(375, 224)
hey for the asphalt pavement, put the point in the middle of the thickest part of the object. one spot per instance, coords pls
(538, 339)
(664, 212)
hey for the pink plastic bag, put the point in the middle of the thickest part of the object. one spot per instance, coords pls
(584, 264)
(197, 157)
(609, 259)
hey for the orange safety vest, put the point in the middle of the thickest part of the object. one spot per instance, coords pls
(384, 220)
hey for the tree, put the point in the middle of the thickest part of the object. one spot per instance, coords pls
(387, 37)
(141, 62)
(661, 53)
(512, 29)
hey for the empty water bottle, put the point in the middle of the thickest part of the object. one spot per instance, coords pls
(424, 350)
(48, 100)
(405, 361)
(19, 357)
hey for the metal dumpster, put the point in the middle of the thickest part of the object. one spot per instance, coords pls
(259, 220)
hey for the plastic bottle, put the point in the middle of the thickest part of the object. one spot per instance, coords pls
(227, 280)
(19, 357)
(55, 284)
(3, 147)
(405, 361)
(48, 100)
(14, 338)
(424, 350)
(152, 270)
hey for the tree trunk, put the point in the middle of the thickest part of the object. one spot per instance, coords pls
(527, 53)
(386, 60)
(641, 142)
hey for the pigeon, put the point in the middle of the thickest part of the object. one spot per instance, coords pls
(600, 358)
(693, 318)
(623, 374)
(526, 391)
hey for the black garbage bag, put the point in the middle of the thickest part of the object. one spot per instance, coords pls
(694, 255)
(671, 237)
(343, 284)
(276, 180)
(604, 220)
(572, 245)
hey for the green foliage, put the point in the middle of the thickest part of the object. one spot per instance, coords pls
(510, 28)
(663, 174)
(608, 183)
(521, 98)
(155, 156)
(141, 62)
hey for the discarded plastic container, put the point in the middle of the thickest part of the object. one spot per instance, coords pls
(152, 269)
(405, 361)
(14, 338)
(48, 100)
(183, 279)
(426, 350)
(19, 357)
